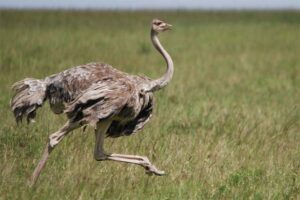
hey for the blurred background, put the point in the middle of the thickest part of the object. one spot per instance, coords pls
(155, 4)
(226, 127)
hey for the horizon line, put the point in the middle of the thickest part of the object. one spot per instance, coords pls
(149, 9)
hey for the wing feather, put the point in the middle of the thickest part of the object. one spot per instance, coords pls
(101, 100)
(118, 129)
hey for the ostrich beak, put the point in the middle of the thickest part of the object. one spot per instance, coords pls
(168, 27)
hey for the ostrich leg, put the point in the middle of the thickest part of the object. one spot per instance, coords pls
(138, 160)
(100, 131)
(100, 155)
(54, 139)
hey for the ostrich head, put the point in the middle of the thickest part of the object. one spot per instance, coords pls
(160, 26)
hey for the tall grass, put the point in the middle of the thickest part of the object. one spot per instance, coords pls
(227, 126)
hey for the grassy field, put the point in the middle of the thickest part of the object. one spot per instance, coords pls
(227, 127)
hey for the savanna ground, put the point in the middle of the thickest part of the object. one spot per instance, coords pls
(227, 127)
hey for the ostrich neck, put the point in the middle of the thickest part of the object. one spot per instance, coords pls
(165, 79)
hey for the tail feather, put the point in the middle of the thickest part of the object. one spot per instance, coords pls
(29, 95)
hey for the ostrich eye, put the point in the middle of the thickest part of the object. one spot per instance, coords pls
(158, 23)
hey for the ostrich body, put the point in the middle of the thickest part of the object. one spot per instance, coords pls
(114, 102)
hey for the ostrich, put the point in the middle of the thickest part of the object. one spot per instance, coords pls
(113, 102)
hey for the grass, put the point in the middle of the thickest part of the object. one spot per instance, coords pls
(227, 127)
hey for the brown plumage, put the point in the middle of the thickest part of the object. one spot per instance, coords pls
(114, 102)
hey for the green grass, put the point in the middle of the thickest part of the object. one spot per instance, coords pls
(227, 127)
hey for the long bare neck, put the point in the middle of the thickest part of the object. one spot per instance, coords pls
(165, 79)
